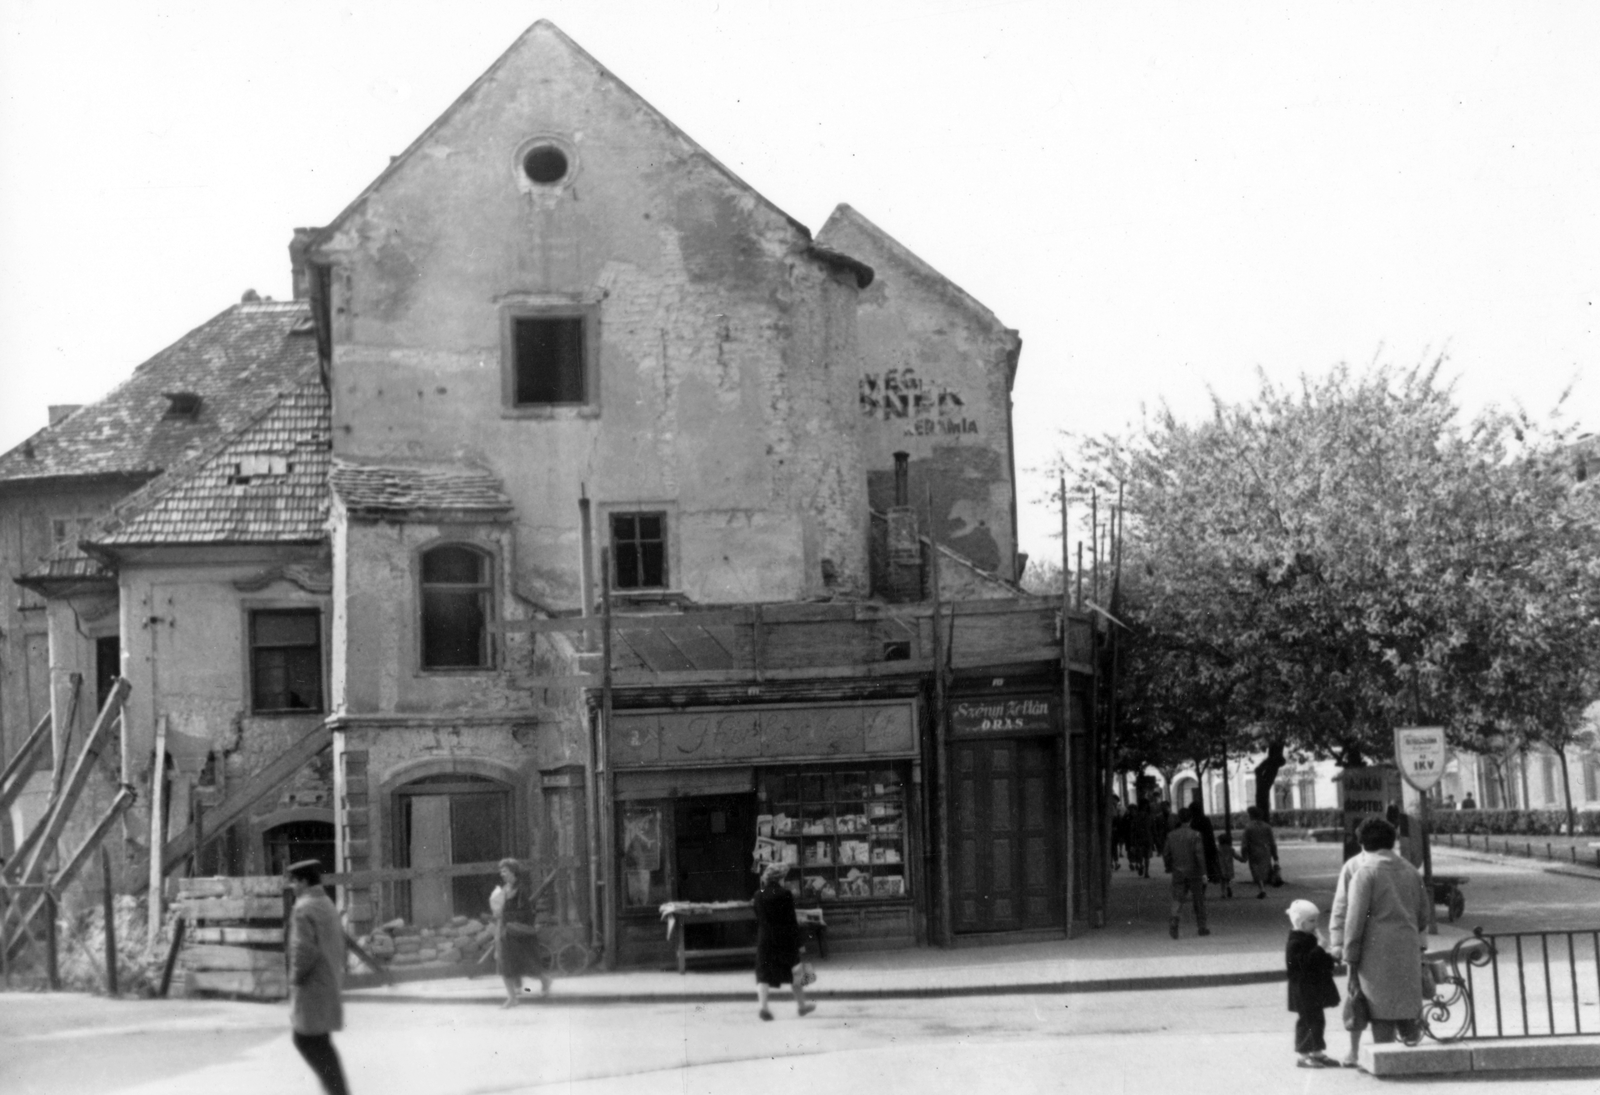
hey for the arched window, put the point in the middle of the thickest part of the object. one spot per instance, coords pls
(456, 591)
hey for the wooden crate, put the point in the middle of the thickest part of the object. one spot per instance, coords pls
(234, 937)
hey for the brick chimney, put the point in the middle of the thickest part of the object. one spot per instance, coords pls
(905, 545)
(299, 271)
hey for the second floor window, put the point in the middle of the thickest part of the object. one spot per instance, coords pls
(549, 362)
(639, 550)
(456, 588)
(286, 660)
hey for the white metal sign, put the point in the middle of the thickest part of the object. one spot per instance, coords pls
(1420, 753)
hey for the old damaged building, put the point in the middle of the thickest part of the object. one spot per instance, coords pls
(656, 534)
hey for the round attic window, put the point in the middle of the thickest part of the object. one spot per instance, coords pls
(545, 164)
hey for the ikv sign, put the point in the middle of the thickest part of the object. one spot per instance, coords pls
(1420, 754)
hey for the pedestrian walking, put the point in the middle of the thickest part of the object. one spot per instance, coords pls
(1208, 836)
(1311, 987)
(1387, 906)
(316, 975)
(1469, 803)
(1225, 864)
(1119, 831)
(516, 933)
(1187, 858)
(1259, 848)
(1139, 842)
(777, 941)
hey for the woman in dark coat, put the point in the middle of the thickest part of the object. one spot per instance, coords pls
(1259, 848)
(777, 939)
(516, 933)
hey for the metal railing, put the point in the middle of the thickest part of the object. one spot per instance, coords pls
(1516, 985)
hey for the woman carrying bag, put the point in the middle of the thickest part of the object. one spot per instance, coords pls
(778, 941)
(516, 933)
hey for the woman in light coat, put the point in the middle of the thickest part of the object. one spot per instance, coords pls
(1386, 908)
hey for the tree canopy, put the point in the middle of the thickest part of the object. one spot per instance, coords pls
(1317, 565)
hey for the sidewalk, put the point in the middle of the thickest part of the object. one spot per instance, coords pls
(1132, 952)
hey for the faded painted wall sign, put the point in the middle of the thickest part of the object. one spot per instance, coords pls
(1004, 715)
(651, 739)
(900, 394)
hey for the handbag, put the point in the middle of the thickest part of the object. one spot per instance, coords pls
(1357, 1012)
(1430, 983)
(803, 975)
(1274, 876)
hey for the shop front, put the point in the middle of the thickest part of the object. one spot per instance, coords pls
(1007, 783)
(828, 790)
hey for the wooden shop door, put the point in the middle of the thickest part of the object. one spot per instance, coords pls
(1004, 859)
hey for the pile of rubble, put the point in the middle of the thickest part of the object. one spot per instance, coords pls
(400, 944)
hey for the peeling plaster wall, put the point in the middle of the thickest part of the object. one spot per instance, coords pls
(185, 651)
(727, 366)
(377, 620)
(936, 384)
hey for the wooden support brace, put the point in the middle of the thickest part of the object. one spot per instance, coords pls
(74, 864)
(17, 770)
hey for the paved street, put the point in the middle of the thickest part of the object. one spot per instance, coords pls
(1223, 1039)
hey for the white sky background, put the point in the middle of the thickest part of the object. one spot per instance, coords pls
(1162, 198)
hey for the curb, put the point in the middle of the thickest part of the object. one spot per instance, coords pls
(1043, 988)
(1523, 861)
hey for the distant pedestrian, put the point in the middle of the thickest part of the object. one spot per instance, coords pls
(1139, 842)
(316, 974)
(1187, 858)
(1469, 803)
(1119, 831)
(1161, 826)
(1311, 987)
(777, 940)
(516, 933)
(1225, 864)
(1208, 836)
(1259, 848)
(1383, 935)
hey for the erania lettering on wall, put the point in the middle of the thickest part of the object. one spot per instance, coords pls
(1004, 715)
(900, 394)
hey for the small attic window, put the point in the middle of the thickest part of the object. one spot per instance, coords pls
(545, 164)
(183, 405)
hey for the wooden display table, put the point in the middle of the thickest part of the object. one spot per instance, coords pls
(680, 914)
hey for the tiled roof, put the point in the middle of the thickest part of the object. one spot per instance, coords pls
(395, 490)
(234, 362)
(67, 563)
(267, 483)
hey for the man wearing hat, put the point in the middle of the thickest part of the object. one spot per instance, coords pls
(316, 973)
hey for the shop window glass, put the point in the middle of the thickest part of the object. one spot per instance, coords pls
(645, 880)
(842, 832)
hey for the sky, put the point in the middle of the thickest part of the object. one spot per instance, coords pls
(1167, 200)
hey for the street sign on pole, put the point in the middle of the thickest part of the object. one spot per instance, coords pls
(1419, 753)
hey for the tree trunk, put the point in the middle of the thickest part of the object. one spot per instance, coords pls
(1566, 793)
(1267, 774)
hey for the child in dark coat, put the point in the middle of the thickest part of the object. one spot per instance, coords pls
(1311, 986)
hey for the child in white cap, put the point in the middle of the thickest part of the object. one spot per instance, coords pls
(1311, 987)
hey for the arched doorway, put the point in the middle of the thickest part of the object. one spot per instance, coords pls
(443, 820)
(292, 841)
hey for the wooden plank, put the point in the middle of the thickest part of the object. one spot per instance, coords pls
(249, 793)
(255, 885)
(264, 984)
(17, 770)
(232, 933)
(207, 956)
(234, 908)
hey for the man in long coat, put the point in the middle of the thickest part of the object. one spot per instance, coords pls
(1387, 908)
(316, 974)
